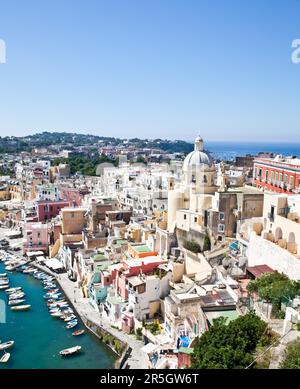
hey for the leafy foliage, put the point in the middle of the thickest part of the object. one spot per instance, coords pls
(192, 245)
(274, 288)
(83, 164)
(292, 357)
(228, 346)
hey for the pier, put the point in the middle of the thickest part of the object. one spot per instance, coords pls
(131, 355)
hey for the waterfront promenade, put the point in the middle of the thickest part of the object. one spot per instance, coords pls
(137, 359)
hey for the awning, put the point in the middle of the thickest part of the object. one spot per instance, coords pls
(34, 253)
(259, 270)
(228, 314)
(234, 245)
(54, 264)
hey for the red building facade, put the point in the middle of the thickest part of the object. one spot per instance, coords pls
(277, 175)
(46, 210)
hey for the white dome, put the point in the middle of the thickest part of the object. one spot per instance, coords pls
(197, 158)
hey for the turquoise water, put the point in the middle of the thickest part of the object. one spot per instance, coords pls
(39, 337)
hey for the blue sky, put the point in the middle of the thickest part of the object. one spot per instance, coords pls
(159, 68)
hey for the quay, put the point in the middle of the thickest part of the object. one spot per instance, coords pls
(132, 357)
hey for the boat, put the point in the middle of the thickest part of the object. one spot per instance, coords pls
(70, 318)
(4, 287)
(3, 275)
(78, 332)
(15, 296)
(13, 290)
(6, 345)
(16, 302)
(56, 314)
(29, 270)
(70, 351)
(25, 307)
(4, 281)
(5, 358)
(72, 324)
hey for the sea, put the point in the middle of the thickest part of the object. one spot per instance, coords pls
(39, 337)
(229, 150)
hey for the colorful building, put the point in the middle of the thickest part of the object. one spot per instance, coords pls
(280, 175)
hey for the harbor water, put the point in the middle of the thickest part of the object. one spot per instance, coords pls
(39, 337)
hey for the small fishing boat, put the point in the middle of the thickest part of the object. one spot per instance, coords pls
(72, 324)
(25, 307)
(70, 318)
(5, 358)
(4, 287)
(3, 275)
(78, 332)
(6, 345)
(70, 351)
(4, 281)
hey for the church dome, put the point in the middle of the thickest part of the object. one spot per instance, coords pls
(198, 157)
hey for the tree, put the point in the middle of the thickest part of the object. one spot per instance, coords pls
(207, 243)
(292, 356)
(274, 288)
(228, 346)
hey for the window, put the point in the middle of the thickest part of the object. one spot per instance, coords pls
(285, 178)
(292, 181)
(221, 228)
(267, 175)
(184, 216)
(222, 216)
(276, 176)
(280, 177)
(195, 219)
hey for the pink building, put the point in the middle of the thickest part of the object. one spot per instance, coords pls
(36, 237)
(73, 195)
(46, 210)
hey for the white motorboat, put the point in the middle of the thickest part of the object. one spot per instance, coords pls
(5, 358)
(4, 287)
(16, 302)
(14, 290)
(25, 307)
(3, 275)
(71, 324)
(70, 351)
(6, 345)
(15, 296)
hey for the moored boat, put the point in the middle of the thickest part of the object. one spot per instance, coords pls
(70, 351)
(25, 307)
(13, 290)
(5, 358)
(16, 302)
(78, 332)
(6, 345)
(72, 324)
